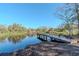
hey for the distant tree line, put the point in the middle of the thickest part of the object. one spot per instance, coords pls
(18, 29)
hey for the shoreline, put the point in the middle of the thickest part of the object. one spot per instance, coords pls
(47, 49)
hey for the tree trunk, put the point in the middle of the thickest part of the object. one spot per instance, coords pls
(78, 28)
(77, 12)
(70, 32)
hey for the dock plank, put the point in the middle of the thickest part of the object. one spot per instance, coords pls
(56, 38)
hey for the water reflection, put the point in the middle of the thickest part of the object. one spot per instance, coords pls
(16, 42)
(16, 38)
(2, 38)
(13, 38)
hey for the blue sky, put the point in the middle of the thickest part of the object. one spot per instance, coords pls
(30, 15)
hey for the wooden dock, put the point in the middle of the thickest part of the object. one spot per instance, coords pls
(53, 38)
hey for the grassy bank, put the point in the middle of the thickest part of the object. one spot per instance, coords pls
(7, 34)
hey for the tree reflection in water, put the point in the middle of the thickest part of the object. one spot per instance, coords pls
(16, 38)
(2, 38)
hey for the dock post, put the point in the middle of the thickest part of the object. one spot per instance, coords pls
(51, 38)
(46, 38)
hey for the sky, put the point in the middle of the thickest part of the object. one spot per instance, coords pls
(31, 15)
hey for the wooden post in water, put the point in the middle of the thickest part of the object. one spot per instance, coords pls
(40, 36)
(46, 37)
(43, 37)
(51, 38)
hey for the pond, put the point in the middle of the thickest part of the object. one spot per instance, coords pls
(12, 44)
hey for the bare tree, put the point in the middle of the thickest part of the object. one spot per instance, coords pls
(66, 14)
(77, 14)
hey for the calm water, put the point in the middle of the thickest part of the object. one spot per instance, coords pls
(12, 44)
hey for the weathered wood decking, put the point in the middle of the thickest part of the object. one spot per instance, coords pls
(47, 37)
